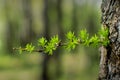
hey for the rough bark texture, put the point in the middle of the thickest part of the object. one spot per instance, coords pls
(110, 56)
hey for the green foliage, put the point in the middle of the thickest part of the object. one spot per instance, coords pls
(20, 49)
(84, 37)
(52, 45)
(103, 34)
(42, 42)
(29, 47)
(94, 41)
(48, 46)
(70, 35)
(72, 40)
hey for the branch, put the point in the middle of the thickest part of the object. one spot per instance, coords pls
(71, 41)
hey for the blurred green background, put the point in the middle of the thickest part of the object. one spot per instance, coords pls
(25, 21)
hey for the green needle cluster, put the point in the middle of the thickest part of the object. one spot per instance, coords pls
(71, 41)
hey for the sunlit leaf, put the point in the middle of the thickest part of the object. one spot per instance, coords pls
(42, 41)
(29, 47)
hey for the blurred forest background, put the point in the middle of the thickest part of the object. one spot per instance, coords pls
(25, 21)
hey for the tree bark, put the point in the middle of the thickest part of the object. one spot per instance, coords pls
(110, 56)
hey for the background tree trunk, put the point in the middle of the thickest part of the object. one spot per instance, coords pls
(49, 24)
(74, 17)
(110, 56)
(45, 74)
(60, 33)
(28, 33)
(10, 28)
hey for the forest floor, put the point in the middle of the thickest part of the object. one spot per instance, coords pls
(29, 67)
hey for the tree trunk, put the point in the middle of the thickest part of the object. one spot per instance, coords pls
(46, 60)
(28, 33)
(110, 56)
(74, 17)
(10, 32)
(57, 57)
